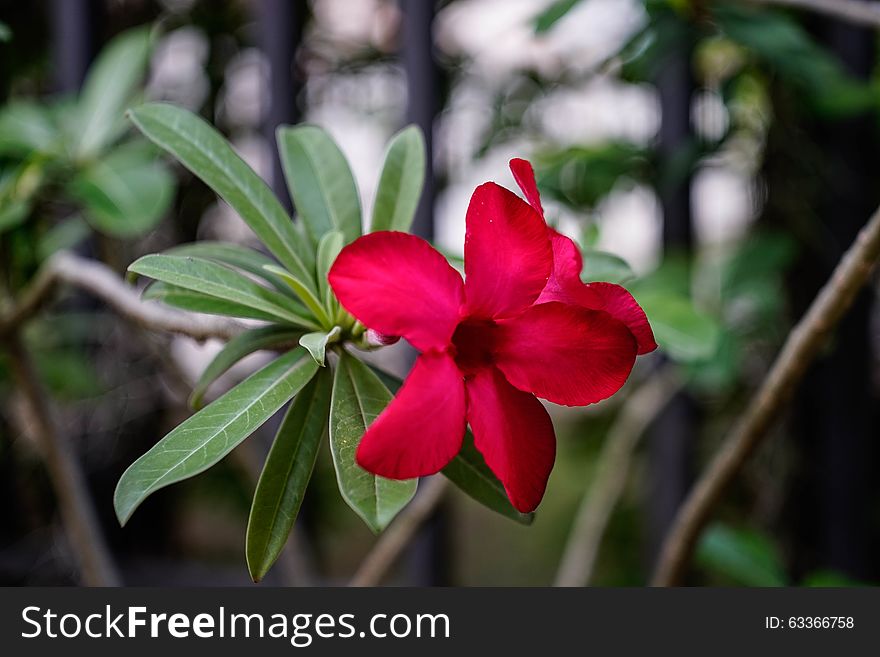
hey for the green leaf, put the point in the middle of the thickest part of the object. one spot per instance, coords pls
(745, 557)
(126, 193)
(328, 248)
(209, 435)
(468, 470)
(5, 33)
(303, 291)
(401, 182)
(13, 214)
(26, 128)
(552, 14)
(358, 398)
(241, 257)
(286, 474)
(604, 266)
(204, 151)
(320, 182)
(236, 349)
(316, 343)
(684, 332)
(219, 281)
(64, 235)
(109, 87)
(197, 302)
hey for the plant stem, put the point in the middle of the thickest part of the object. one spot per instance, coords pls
(102, 282)
(612, 469)
(74, 500)
(799, 350)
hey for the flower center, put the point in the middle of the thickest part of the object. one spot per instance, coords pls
(473, 341)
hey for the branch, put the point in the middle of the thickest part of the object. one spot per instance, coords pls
(392, 542)
(801, 347)
(102, 282)
(74, 500)
(612, 469)
(851, 11)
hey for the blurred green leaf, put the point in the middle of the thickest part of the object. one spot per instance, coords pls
(604, 266)
(830, 579)
(109, 87)
(126, 193)
(68, 373)
(197, 302)
(216, 280)
(401, 182)
(286, 474)
(581, 177)
(685, 333)
(13, 213)
(552, 14)
(745, 557)
(468, 470)
(5, 33)
(782, 44)
(204, 151)
(237, 348)
(64, 235)
(26, 128)
(320, 181)
(358, 398)
(209, 435)
(316, 343)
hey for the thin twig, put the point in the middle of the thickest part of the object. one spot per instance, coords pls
(398, 535)
(801, 347)
(74, 500)
(612, 470)
(851, 11)
(100, 281)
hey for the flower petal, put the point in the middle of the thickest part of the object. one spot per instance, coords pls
(565, 354)
(567, 265)
(621, 305)
(507, 254)
(565, 285)
(524, 175)
(514, 433)
(422, 428)
(398, 284)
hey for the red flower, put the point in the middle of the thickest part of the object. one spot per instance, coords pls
(521, 325)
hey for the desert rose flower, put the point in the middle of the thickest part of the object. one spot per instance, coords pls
(515, 329)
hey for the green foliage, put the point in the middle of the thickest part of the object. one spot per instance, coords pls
(204, 151)
(75, 152)
(237, 348)
(320, 182)
(316, 343)
(580, 177)
(215, 280)
(400, 184)
(552, 14)
(358, 398)
(107, 90)
(124, 194)
(740, 556)
(286, 474)
(209, 435)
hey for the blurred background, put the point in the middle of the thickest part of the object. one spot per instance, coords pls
(715, 157)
